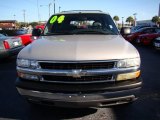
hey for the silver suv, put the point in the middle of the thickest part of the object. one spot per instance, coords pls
(80, 60)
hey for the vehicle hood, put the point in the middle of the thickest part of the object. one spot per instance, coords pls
(79, 47)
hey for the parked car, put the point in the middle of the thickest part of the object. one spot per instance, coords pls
(134, 36)
(9, 46)
(41, 27)
(26, 39)
(135, 28)
(21, 31)
(147, 39)
(75, 66)
(156, 43)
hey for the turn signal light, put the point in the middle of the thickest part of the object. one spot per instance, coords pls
(127, 76)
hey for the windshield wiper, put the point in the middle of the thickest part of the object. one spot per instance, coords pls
(56, 33)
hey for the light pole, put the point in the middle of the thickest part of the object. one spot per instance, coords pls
(24, 17)
(38, 10)
(49, 7)
(122, 22)
(135, 23)
(14, 16)
(59, 9)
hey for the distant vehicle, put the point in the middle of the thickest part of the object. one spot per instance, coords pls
(21, 31)
(134, 36)
(135, 28)
(9, 46)
(147, 39)
(156, 43)
(41, 27)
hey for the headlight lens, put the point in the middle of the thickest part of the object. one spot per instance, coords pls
(128, 63)
(23, 63)
(27, 63)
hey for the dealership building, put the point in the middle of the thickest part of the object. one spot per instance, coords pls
(8, 24)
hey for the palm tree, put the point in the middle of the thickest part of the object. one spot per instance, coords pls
(130, 20)
(156, 19)
(116, 18)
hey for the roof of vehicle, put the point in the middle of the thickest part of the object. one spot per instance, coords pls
(146, 28)
(82, 11)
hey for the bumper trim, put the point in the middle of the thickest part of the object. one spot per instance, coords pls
(81, 100)
(71, 72)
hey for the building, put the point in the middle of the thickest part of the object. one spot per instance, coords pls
(145, 23)
(8, 24)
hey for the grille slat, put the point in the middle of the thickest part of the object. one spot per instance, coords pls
(83, 79)
(83, 66)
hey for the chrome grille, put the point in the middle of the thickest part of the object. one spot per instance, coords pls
(72, 66)
(83, 79)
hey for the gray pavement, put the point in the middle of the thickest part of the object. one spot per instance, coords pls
(147, 107)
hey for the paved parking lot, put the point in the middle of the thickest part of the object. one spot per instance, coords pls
(13, 106)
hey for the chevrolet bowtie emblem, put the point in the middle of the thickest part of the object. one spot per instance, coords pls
(76, 73)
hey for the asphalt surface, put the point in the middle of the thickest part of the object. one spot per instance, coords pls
(147, 107)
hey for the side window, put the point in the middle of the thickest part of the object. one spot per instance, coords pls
(148, 31)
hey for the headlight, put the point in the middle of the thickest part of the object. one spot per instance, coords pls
(128, 63)
(23, 63)
(27, 63)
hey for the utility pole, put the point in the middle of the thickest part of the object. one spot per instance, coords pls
(24, 15)
(49, 8)
(54, 7)
(135, 19)
(122, 22)
(14, 16)
(38, 11)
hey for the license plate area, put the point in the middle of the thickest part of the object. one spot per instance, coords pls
(15, 43)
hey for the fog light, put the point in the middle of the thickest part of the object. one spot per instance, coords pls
(28, 76)
(128, 76)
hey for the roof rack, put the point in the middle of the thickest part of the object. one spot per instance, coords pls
(83, 11)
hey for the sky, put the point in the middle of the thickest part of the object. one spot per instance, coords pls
(14, 9)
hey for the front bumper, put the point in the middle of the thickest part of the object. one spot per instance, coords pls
(76, 97)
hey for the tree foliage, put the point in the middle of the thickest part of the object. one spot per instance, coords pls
(130, 20)
(116, 18)
(33, 24)
(156, 19)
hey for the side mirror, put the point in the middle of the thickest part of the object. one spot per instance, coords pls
(36, 32)
(125, 31)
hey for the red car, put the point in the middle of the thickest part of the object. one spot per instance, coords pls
(42, 26)
(26, 38)
(147, 39)
(133, 37)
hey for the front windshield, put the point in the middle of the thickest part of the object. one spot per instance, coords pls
(80, 24)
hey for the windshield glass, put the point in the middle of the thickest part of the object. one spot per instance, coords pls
(80, 24)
